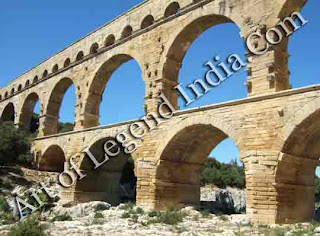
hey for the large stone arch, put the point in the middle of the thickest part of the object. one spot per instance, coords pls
(201, 120)
(9, 113)
(52, 110)
(97, 86)
(180, 43)
(299, 143)
(52, 159)
(190, 28)
(296, 118)
(27, 110)
(181, 157)
(102, 183)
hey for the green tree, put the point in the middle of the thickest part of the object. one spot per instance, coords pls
(223, 175)
(65, 127)
(34, 124)
(14, 145)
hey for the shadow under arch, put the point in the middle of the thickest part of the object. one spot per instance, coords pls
(179, 46)
(27, 111)
(178, 175)
(295, 172)
(112, 182)
(98, 85)
(54, 104)
(52, 159)
(8, 113)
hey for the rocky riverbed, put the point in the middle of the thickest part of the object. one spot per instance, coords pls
(98, 218)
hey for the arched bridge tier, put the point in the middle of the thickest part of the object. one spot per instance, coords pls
(157, 35)
(277, 135)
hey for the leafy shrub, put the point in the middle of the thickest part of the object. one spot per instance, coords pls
(127, 206)
(223, 218)
(135, 218)
(169, 217)
(28, 227)
(4, 183)
(136, 211)
(63, 217)
(223, 175)
(7, 218)
(153, 213)
(125, 215)
(65, 127)
(98, 215)
(34, 125)
(3, 205)
(131, 212)
(205, 213)
(98, 219)
(14, 145)
(139, 211)
(43, 198)
(25, 159)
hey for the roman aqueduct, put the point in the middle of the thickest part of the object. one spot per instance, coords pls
(276, 128)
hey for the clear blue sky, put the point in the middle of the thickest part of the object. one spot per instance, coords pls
(34, 30)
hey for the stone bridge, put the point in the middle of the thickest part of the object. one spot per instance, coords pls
(275, 129)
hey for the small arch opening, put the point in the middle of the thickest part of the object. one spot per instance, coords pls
(45, 74)
(109, 40)
(94, 48)
(55, 68)
(67, 62)
(172, 9)
(127, 31)
(35, 79)
(27, 83)
(80, 56)
(147, 21)
(20, 87)
(12, 91)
